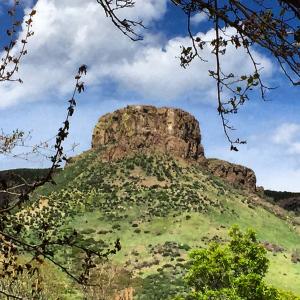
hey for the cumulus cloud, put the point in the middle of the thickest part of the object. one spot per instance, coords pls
(67, 34)
(70, 32)
(155, 72)
(198, 18)
(288, 135)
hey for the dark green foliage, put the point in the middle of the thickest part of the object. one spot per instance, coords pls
(185, 247)
(169, 250)
(111, 187)
(276, 196)
(87, 231)
(234, 271)
(16, 178)
(116, 226)
(161, 286)
(287, 200)
(29, 175)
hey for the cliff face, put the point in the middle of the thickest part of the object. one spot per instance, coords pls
(232, 173)
(141, 128)
(147, 128)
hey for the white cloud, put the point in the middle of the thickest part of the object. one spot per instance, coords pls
(155, 71)
(70, 32)
(199, 18)
(295, 148)
(288, 135)
(67, 34)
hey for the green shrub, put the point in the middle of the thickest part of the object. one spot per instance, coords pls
(232, 271)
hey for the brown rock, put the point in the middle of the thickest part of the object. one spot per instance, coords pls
(147, 128)
(272, 247)
(143, 128)
(232, 173)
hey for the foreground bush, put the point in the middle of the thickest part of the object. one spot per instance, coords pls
(234, 271)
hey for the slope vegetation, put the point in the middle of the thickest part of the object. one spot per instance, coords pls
(161, 207)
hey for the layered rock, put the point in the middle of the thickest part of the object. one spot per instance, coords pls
(147, 128)
(232, 173)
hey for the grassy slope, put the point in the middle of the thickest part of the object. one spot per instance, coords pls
(160, 208)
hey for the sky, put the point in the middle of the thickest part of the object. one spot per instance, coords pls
(68, 33)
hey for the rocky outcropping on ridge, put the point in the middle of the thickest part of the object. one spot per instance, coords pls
(144, 128)
(232, 173)
(147, 128)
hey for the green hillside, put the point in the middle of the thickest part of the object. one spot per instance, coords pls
(160, 208)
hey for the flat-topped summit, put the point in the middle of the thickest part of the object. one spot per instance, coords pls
(148, 128)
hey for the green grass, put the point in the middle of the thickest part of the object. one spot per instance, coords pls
(284, 274)
(185, 206)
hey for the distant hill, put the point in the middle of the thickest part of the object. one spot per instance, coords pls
(287, 200)
(277, 195)
(15, 177)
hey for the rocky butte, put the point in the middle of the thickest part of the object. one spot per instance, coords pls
(147, 128)
(144, 128)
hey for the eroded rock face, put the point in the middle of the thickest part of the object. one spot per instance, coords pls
(232, 173)
(142, 128)
(147, 128)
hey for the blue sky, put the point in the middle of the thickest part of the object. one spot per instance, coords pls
(71, 32)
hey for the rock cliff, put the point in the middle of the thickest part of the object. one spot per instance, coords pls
(147, 128)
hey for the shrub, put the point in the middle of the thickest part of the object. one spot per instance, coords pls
(232, 271)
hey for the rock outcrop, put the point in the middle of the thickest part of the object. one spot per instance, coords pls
(139, 128)
(232, 173)
(143, 128)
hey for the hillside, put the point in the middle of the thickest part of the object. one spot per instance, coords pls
(160, 204)
(161, 207)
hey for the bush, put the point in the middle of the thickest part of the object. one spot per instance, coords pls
(232, 271)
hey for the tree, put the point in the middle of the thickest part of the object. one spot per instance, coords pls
(271, 25)
(28, 240)
(234, 271)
